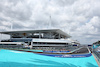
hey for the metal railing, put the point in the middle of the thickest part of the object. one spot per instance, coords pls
(11, 46)
(97, 54)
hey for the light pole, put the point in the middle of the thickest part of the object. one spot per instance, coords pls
(11, 25)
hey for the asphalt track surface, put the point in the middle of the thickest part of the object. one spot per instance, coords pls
(82, 50)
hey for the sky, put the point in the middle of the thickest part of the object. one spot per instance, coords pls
(78, 18)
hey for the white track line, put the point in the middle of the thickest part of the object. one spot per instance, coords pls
(75, 50)
(89, 50)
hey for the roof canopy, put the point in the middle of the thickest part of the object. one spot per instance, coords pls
(37, 31)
